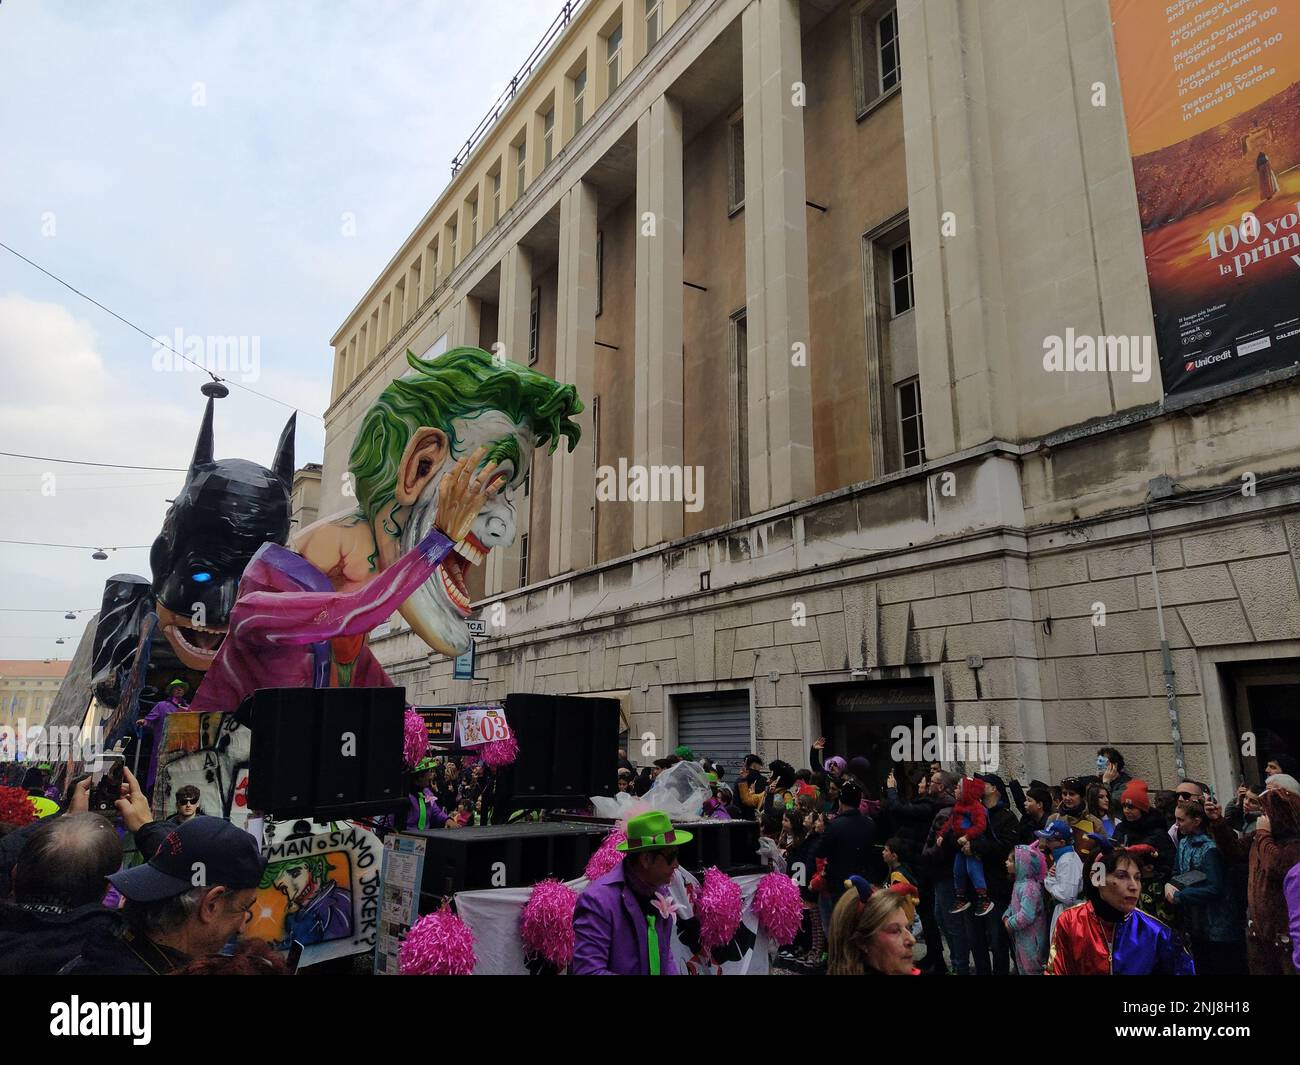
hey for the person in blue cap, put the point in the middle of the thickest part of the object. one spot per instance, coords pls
(186, 902)
(1064, 883)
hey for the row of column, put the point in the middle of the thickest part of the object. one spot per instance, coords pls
(779, 398)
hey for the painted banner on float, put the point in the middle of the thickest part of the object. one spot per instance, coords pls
(320, 889)
(1211, 97)
(210, 752)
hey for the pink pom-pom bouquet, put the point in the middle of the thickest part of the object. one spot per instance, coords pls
(777, 906)
(438, 944)
(546, 924)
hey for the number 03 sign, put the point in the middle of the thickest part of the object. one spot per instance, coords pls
(482, 724)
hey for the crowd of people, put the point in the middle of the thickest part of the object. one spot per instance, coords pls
(1098, 872)
(444, 793)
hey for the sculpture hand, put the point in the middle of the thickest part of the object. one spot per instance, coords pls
(462, 493)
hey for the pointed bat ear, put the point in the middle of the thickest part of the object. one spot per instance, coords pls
(282, 467)
(203, 446)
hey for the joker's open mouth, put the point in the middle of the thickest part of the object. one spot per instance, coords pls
(451, 574)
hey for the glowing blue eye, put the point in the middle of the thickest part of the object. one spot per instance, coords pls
(201, 578)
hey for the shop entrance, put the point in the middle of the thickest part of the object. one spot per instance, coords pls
(858, 719)
(1267, 701)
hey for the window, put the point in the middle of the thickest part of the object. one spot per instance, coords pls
(534, 325)
(451, 245)
(548, 137)
(521, 160)
(496, 197)
(433, 266)
(614, 55)
(600, 271)
(900, 278)
(473, 223)
(911, 429)
(740, 414)
(736, 165)
(579, 98)
(653, 10)
(877, 55)
(523, 559)
(528, 483)
(887, 51)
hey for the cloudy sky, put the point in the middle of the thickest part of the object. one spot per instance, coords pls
(194, 166)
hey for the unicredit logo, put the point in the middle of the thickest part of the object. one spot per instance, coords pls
(1195, 364)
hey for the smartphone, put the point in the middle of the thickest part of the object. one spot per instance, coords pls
(294, 957)
(106, 782)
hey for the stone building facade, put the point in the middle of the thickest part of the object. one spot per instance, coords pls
(868, 216)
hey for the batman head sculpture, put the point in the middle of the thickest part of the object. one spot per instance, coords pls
(227, 509)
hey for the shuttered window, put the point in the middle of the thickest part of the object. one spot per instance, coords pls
(716, 725)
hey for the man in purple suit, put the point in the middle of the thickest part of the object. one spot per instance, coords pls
(623, 925)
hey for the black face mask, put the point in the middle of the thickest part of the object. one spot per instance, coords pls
(224, 512)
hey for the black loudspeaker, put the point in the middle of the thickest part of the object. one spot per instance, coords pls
(326, 752)
(470, 859)
(568, 750)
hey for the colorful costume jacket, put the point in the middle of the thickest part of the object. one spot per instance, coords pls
(288, 613)
(1139, 945)
(611, 935)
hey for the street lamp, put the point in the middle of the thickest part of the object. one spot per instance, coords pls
(99, 555)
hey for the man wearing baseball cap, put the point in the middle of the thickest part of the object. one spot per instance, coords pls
(193, 895)
(624, 921)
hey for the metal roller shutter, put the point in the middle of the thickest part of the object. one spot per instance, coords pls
(717, 726)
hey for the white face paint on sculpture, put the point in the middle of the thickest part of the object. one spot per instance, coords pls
(437, 610)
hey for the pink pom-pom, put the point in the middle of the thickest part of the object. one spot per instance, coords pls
(416, 739)
(438, 944)
(717, 905)
(607, 855)
(778, 908)
(546, 924)
(500, 752)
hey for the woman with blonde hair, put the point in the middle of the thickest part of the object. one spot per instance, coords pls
(869, 933)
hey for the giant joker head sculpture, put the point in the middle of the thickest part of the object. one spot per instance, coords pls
(441, 410)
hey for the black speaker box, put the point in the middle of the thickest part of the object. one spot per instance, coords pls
(469, 859)
(568, 750)
(326, 752)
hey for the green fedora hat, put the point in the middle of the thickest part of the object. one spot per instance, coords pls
(651, 832)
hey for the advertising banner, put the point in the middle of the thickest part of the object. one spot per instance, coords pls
(1212, 102)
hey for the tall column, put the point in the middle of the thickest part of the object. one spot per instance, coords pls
(573, 480)
(464, 322)
(657, 425)
(502, 564)
(776, 259)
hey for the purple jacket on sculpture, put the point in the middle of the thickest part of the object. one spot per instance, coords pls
(288, 612)
(611, 934)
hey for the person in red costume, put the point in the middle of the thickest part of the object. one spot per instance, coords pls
(1107, 935)
(969, 820)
